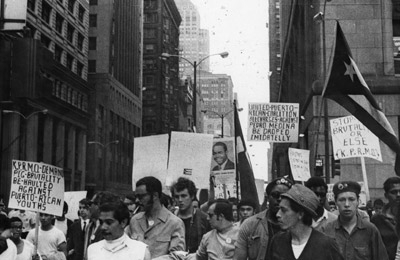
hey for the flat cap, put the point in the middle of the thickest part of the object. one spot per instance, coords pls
(345, 186)
(304, 197)
(282, 180)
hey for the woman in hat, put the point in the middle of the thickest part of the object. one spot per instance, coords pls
(301, 241)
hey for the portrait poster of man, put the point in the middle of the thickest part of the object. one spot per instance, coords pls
(223, 154)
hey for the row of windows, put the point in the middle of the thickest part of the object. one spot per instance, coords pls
(47, 9)
(70, 95)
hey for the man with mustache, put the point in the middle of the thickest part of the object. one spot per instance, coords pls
(116, 244)
(257, 231)
(156, 226)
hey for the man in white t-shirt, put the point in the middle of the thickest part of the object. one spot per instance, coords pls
(51, 239)
(114, 217)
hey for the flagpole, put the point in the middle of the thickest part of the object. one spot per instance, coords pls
(365, 178)
(236, 153)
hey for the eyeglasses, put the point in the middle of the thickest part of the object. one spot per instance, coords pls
(276, 195)
(141, 196)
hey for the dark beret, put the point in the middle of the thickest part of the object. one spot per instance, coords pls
(282, 180)
(345, 186)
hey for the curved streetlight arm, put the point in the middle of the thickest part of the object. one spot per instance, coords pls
(104, 145)
(222, 54)
(221, 115)
(44, 111)
(167, 55)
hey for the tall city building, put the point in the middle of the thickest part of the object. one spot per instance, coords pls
(160, 75)
(194, 42)
(217, 104)
(115, 72)
(302, 36)
(44, 91)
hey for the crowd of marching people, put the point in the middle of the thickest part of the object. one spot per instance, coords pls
(295, 221)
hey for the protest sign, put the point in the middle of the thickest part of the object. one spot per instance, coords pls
(189, 156)
(37, 187)
(273, 122)
(299, 164)
(72, 198)
(150, 157)
(224, 184)
(350, 138)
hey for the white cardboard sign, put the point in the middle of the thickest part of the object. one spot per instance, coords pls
(300, 164)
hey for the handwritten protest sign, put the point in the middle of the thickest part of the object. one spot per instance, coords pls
(300, 164)
(150, 157)
(190, 157)
(72, 198)
(350, 138)
(273, 122)
(224, 184)
(37, 187)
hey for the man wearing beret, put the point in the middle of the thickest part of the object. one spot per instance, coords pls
(386, 221)
(357, 238)
(256, 232)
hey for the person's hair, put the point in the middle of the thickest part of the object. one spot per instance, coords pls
(119, 209)
(131, 196)
(105, 197)
(15, 219)
(331, 202)
(4, 222)
(378, 202)
(166, 200)
(316, 181)
(307, 217)
(221, 144)
(247, 202)
(233, 200)
(223, 207)
(387, 185)
(86, 202)
(184, 183)
(65, 208)
(152, 185)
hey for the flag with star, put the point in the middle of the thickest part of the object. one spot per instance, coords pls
(345, 85)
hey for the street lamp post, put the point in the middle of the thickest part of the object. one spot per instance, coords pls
(222, 116)
(104, 147)
(195, 64)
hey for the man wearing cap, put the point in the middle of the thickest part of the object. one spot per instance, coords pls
(297, 210)
(319, 187)
(386, 220)
(256, 231)
(356, 237)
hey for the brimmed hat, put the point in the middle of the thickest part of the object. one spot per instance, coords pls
(304, 197)
(345, 186)
(282, 180)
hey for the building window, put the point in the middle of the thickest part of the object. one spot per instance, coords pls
(79, 69)
(92, 2)
(150, 4)
(70, 61)
(45, 40)
(31, 5)
(58, 53)
(81, 14)
(93, 20)
(396, 36)
(70, 33)
(150, 17)
(92, 43)
(149, 64)
(71, 6)
(80, 41)
(149, 48)
(92, 66)
(59, 23)
(46, 12)
(149, 33)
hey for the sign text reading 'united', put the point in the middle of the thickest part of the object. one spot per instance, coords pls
(37, 187)
(273, 122)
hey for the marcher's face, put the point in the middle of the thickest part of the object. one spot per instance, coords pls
(131, 206)
(332, 207)
(183, 200)
(393, 195)
(143, 198)
(287, 218)
(321, 194)
(110, 227)
(347, 203)
(212, 218)
(246, 211)
(235, 212)
(195, 204)
(83, 211)
(378, 209)
(45, 219)
(219, 154)
(274, 197)
(16, 230)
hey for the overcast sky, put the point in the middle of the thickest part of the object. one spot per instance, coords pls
(240, 27)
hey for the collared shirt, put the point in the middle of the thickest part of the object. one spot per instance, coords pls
(326, 218)
(216, 245)
(166, 235)
(122, 248)
(363, 243)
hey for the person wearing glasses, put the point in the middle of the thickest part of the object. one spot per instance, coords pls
(156, 226)
(25, 249)
(386, 220)
(319, 187)
(257, 231)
